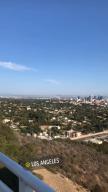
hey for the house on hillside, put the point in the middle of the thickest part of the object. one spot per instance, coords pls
(44, 127)
(6, 121)
(71, 134)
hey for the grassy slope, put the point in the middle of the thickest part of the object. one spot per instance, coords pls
(81, 163)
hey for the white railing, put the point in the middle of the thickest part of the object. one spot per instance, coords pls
(27, 181)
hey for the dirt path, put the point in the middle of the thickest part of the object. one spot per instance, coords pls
(59, 182)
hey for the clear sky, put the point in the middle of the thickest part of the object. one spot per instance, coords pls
(54, 47)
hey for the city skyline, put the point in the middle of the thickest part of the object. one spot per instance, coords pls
(53, 47)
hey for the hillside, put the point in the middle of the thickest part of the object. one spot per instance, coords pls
(59, 182)
(9, 143)
(81, 163)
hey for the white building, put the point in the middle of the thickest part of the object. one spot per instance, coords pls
(34, 135)
(6, 120)
(71, 133)
(96, 141)
(56, 126)
(28, 108)
(30, 121)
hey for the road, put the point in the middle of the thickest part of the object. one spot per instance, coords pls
(90, 135)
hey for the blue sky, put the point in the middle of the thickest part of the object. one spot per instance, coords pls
(54, 47)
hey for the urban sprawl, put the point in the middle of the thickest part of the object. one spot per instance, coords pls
(74, 118)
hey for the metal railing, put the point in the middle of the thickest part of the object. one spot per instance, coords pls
(27, 181)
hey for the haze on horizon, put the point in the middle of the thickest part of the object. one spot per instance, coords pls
(54, 47)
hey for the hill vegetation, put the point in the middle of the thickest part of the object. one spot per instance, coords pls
(83, 164)
(80, 163)
(8, 141)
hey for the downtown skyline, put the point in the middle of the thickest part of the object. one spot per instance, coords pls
(53, 47)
